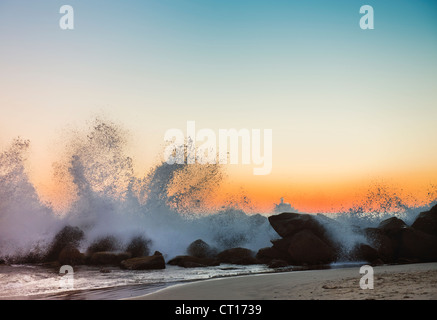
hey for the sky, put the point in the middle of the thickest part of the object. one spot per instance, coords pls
(348, 107)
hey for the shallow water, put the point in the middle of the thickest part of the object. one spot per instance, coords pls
(37, 282)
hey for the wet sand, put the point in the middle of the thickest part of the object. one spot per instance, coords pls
(391, 282)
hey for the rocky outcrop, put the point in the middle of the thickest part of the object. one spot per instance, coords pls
(427, 222)
(267, 255)
(145, 263)
(193, 262)
(395, 241)
(288, 224)
(304, 240)
(307, 248)
(417, 245)
(201, 249)
(383, 244)
(241, 256)
(364, 252)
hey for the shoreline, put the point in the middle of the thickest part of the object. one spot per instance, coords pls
(391, 282)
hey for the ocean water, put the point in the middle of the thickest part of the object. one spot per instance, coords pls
(37, 282)
(170, 206)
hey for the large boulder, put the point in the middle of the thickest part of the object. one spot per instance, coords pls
(288, 224)
(70, 255)
(109, 258)
(307, 248)
(384, 245)
(392, 226)
(427, 221)
(237, 256)
(417, 245)
(266, 255)
(364, 252)
(145, 263)
(68, 236)
(201, 249)
(193, 262)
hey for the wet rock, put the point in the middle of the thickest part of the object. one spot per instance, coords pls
(417, 245)
(384, 245)
(241, 256)
(190, 262)
(364, 252)
(307, 248)
(145, 263)
(201, 249)
(392, 226)
(277, 263)
(427, 221)
(266, 255)
(289, 224)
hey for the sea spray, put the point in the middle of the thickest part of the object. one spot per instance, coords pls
(26, 223)
(169, 207)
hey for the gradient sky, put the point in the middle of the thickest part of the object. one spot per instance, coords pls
(347, 106)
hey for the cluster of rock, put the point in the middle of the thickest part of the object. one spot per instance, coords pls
(103, 252)
(200, 254)
(306, 241)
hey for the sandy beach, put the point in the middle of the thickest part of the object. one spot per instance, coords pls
(394, 282)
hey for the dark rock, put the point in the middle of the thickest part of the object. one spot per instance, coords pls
(105, 244)
(70, 255)
(407, 261)
(145, 263)
(68, 236)
(307, 248)
(418, 245)
(377, 262)
(266, 255)
(427, 221)
(282, 244)
(364, 252)
(103, 270)
(138, 247)
(385, 246)
(190, 262)
(392, 226)
(2, 261)
(201, 249)
(288, 224)
(241, 256)
(277, 263)
(109, 258)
